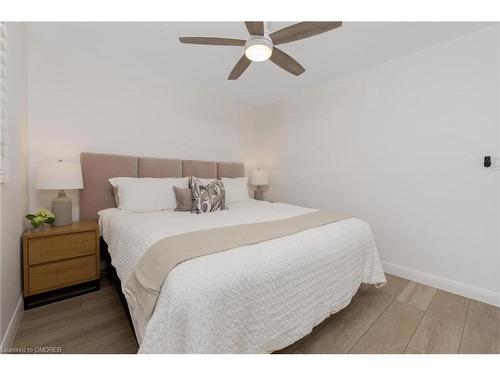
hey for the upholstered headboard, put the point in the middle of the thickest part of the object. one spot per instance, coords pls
(97, 193)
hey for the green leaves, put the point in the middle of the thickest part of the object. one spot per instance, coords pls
(41, 217)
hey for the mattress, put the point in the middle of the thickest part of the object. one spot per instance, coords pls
(251, 299)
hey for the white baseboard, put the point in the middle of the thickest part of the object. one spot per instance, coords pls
(10, 334)
(473, 292)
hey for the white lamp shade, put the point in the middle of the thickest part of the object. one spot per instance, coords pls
(59, 175)
(259, 177)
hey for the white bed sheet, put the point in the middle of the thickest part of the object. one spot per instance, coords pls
(252, 299)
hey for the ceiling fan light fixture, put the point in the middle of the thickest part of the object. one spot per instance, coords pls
(260, 44)
(259, 48)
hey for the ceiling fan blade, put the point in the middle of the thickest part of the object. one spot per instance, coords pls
(239, 68)
(211, 41)
(302, 30)
(255, 27)
(285, 61)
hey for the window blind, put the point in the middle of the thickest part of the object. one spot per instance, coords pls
(3, 101)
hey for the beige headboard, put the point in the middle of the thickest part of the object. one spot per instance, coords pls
(97, 193)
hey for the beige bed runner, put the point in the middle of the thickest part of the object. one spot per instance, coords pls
(143, 286)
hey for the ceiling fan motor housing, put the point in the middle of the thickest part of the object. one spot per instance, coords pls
(259, 48)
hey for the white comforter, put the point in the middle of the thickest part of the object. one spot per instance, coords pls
(252, 299)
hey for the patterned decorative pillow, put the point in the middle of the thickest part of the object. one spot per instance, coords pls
(207, 197)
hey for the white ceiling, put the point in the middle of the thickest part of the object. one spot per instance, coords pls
(154, 48)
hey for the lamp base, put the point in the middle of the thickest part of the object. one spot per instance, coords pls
(62, 210)
(258, 194)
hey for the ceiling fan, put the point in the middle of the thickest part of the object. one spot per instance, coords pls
(260, 45)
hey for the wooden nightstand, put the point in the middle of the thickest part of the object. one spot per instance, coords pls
(60, 262)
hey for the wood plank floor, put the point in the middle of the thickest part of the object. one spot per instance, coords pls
(402, 317)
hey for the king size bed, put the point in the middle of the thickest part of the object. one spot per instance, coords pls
(258, 295)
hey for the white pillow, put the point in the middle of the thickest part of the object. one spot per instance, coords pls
(236, 189)
(146, 194)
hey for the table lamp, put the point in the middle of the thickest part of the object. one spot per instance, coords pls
(60, 176)
(259, 178)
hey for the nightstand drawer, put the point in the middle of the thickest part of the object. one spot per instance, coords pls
(51, 248)
(66, 272)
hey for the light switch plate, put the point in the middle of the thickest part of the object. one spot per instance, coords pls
(495, 163)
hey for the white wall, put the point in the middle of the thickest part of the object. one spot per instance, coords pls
(401, 146)
(14, 193)
(82, 103)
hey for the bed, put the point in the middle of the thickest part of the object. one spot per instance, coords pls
(257, 298)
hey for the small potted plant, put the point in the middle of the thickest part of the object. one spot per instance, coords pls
(40, 218)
